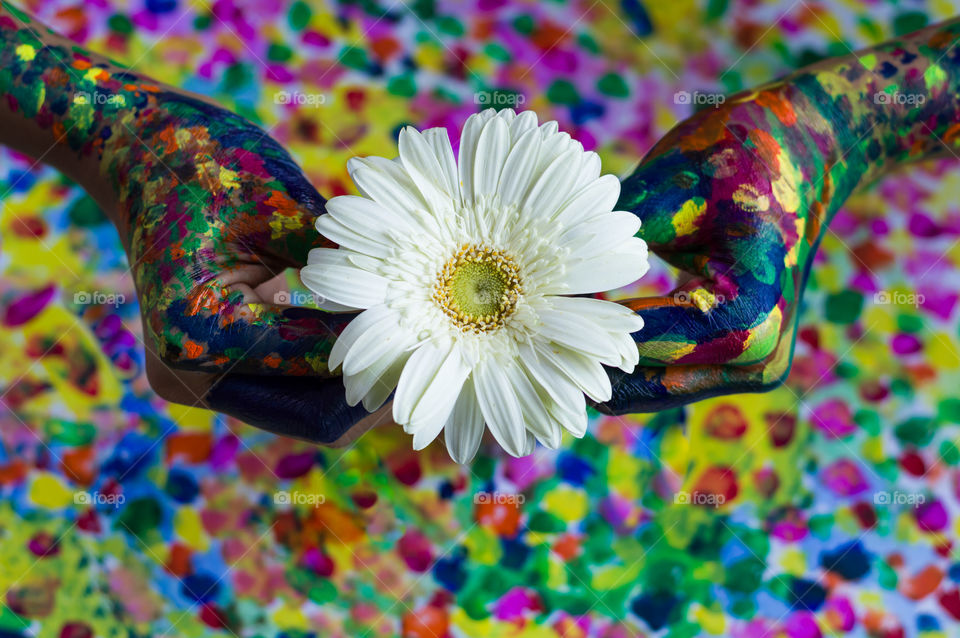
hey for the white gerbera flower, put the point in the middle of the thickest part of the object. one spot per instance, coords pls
(461, 267)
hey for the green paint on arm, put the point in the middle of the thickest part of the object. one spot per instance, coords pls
(935, 77)
(15, 12)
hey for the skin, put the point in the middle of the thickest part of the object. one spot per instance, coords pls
(739, 197)
(211, 209)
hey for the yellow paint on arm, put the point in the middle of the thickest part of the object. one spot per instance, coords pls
(762, 338)
(665, 350)
(26, 52)
(935, 77)
(685, 221)
(229, 179)
(704, 299)
(790, 259)
(785, 189)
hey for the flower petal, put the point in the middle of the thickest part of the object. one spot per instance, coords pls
(564, 392)
(359, 385)
(536, 418)
(585, 372)
(604, 272)
(601, 234)
(525, 121)
(464, 429)
(345, 285)
(368, 218)
(573, 421)
(385, 385)
(500, 407)
(607, 314)
(493, 144)
(550, 128)
(424, 168)
(333, 306)
(579, 333)
(354, 330)
(468, 152)
(348, 238)
(437, 403)
(439, 141)
(367, 348)
(589, 169)
(596, 198)
(386, 182)
(518, 168)
(553, 187)
(429, 386)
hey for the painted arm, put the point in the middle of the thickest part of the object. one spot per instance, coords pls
(739, 197)
(208, 207)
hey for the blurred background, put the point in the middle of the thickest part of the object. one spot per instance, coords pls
(830, 506)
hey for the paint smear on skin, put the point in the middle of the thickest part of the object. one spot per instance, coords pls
(688, 217)
(762, 339)
(786, 188)
(798, 246)
(665, 350)
(750, 199)
(935, 77)
(704, 299)
(26, 52)
(838, 86)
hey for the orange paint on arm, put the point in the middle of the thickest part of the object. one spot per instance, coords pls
(207, 300)
(57, 77)
(192, 349)
(283, 203)
(952, 134)
(767, 147)
(780, 107)
(709, 132)
(642, 303)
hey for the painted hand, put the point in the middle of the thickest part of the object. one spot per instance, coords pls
(209, 208)
(213, 209)
(719, 201)
(739, 196)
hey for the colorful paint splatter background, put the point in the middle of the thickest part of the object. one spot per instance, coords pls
(839, 494)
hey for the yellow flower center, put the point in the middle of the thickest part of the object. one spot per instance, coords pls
(478, 288)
